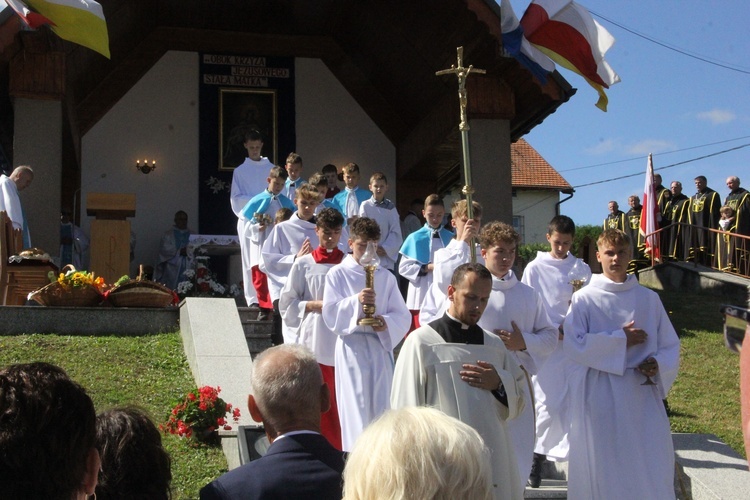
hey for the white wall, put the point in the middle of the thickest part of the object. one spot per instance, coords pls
(537, 208)
(158, 119)
(333, 128)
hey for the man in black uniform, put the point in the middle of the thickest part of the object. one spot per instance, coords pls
(739, 200)
(704, 215)
(677, 214)
(615, 219)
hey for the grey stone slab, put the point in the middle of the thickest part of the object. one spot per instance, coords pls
(216, 349)
(18, 320)
(709, 468)
(214, 323)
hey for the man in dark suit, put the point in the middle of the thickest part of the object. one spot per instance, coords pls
(288, 397)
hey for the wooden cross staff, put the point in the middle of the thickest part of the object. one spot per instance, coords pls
(462, 73)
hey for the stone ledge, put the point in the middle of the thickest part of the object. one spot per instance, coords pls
(17, 320)
(708, 468)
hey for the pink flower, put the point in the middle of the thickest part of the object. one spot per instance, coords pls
(191, 396)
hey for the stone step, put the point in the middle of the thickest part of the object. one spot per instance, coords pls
(550, 488)
(257, 333)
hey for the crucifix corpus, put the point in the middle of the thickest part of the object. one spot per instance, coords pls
(462, 73)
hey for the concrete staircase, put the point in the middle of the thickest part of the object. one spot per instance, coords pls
(257, 333)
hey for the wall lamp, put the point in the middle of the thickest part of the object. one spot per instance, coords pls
(144, 167)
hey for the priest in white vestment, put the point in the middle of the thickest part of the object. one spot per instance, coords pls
(364, 354)
(10, 202)
(457, 367)
(618, 334)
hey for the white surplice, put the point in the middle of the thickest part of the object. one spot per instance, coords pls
(549, 277)
(280, 249)
(248, 180)
(387, 218)
(306, 282)
(511, 300)
(427, 374)
(363, 357)
(620, 439)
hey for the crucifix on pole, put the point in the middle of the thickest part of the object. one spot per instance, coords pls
(462, 73)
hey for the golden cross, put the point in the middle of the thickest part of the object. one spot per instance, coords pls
(462, 73)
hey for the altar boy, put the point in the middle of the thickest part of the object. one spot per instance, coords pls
(261, 212)
(287, 241)
(348, 200)
(364, 354)
(516, 314)
(385, 214)
(301, 307)
(617, 333)
(418, 254)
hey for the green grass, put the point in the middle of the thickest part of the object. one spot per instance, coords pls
(705, 398)
(146, 371)
(151, 371)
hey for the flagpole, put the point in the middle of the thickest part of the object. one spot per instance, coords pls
(462, 73)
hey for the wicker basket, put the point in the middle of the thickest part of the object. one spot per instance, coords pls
(55, 295)
(141, 293)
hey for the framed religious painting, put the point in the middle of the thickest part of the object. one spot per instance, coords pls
(241, 111)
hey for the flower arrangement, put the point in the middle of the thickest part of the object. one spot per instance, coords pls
(199, 414)
(80, 279)
(202, 282)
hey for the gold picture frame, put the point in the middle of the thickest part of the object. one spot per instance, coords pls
(241, 110)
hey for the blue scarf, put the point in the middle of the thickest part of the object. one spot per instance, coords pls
(417, 244)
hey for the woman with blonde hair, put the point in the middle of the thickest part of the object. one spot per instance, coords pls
(418, 453)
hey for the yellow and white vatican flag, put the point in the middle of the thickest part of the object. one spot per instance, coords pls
(78, 21)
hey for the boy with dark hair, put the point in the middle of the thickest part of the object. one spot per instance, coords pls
(261, 210)
(364, 354)
(301, 306)
(293, 167)
(618, 335)
(548, 275)
(516, 313)
(331, 174)
(288, 241)
(248, 180)
(418, 253)
(348, 201)
(385, 214)
(321, 183)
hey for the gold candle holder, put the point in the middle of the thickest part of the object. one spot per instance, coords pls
(370, 262)
(577, 284)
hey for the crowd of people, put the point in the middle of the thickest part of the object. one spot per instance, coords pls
(515, 372)
(686, 224)
(504, 355)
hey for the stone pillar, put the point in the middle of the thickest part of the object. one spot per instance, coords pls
(489, 150)
(38, 143)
